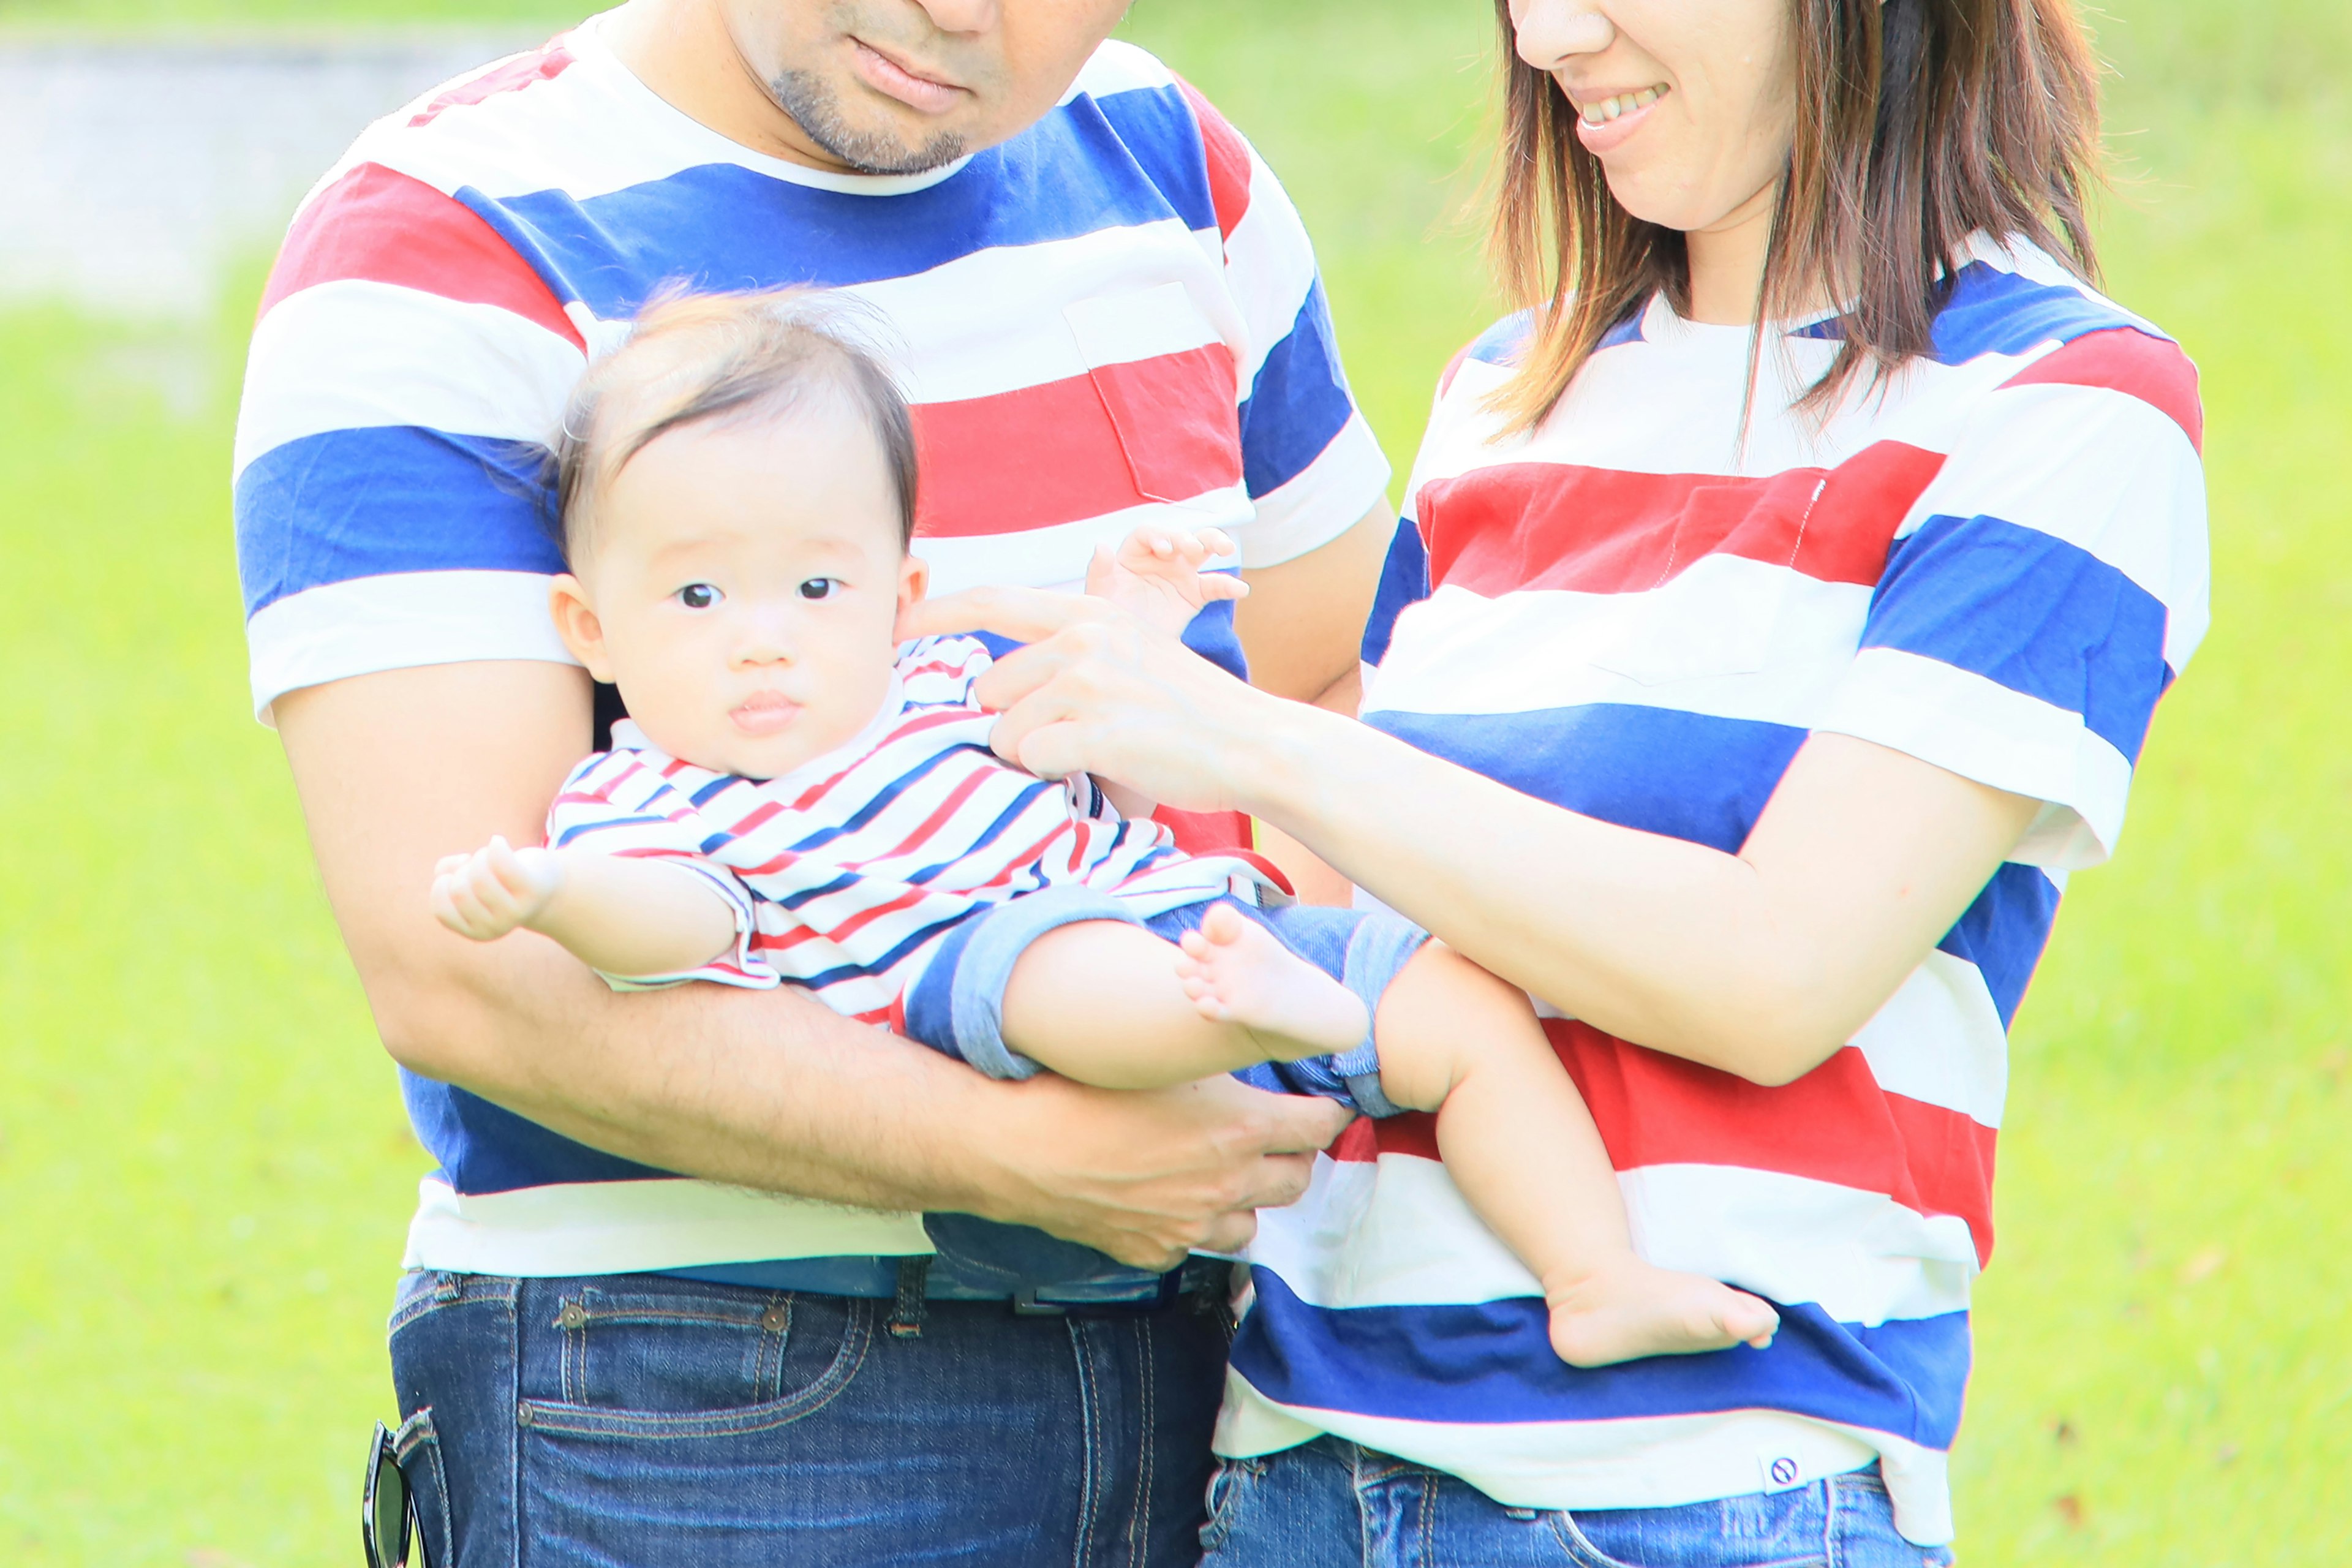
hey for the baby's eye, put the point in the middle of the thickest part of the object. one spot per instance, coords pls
(820, 587)
(699, 595)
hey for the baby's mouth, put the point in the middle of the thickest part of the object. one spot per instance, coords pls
(764, 714)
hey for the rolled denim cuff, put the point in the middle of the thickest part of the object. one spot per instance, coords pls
(1379, 948)
(984, 967)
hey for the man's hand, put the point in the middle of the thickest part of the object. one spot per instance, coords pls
(1160, 575)
(1150, 1176)
(495, 889)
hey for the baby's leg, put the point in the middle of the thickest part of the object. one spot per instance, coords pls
(1114, 1005)
(1518, 1141)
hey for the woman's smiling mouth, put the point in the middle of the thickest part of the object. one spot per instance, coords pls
(1603, 124)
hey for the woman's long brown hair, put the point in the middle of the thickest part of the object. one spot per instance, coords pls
(1919, 122)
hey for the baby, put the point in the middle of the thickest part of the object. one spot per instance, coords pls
(795, 798)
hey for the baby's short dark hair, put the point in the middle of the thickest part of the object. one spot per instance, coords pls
(694, 359)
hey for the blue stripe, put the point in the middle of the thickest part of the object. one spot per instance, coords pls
(1298, 403)
(1991, 310)
(723, 226)
(1211, 635)
(605, 824)
(882, 965)
(2041, 616)
(1501, 343)
(482, 1148)
(2004, 931)
(1156, 125)
(1687, 775)
(1404, 581)
(386, 499)
(1491, 1363)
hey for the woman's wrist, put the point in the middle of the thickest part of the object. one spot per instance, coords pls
(1284, 757)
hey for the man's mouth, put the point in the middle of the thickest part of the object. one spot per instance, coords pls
(888, 77)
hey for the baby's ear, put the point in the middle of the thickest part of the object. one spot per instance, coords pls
(576, 624)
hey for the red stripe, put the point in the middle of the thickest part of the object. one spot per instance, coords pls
(1206, 832)
(544, 63)
(2126, 360)
(1228, 157)
(1604, 530)
(386, 227)
(1834, 1124)
(930, 825)
(1157, 430)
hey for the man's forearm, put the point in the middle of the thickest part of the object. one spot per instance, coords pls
(772, 1089)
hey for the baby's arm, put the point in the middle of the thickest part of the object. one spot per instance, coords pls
(620, 916)
(1519, 1143)
(1156, 574)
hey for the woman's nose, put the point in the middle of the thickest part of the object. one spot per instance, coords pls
(1553, 32)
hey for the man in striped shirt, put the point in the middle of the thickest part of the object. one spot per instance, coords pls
(1107, 312)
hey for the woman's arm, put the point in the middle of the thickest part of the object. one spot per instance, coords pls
(1762, 964)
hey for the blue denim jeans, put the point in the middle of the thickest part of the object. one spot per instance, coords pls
(645, 1421)
(1331, 1504)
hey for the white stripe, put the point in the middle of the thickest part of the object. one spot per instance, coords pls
(1730, 637)
(1057, 557)
(1116, 66)
(1321, 502)
(2107, 472)
(1982, 730)
(589, 131)
(949, 350)
(1269, 267)
(629, 1227)
(1939, 1040)
(398, 622)
(354, 355)
(1396, 1232)
(1658, 1461)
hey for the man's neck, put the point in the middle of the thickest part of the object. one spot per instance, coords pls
(682, 51)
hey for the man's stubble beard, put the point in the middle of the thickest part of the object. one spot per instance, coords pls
(811, 102)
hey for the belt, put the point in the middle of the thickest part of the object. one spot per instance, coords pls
(880, 1279)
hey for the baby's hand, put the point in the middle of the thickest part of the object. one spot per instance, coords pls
(488, 893)
(1156, 574)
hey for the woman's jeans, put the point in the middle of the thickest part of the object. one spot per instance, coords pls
(644, 1421)
(1331, 1504)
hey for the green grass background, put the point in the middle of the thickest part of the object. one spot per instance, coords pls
(205, 1174)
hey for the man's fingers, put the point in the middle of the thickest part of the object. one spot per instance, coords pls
(1232, 1232)
(1025, 615)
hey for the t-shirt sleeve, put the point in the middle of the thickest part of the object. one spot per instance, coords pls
(406, 373)
(1309, 458)
(2044, 592)
(615, 805)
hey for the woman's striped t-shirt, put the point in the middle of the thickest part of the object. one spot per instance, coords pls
(1994, 561)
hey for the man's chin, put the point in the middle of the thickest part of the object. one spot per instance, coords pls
(868, 150)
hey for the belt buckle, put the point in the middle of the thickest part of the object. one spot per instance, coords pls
(1026, 1305)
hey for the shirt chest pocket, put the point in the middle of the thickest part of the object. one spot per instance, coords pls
(1167, 387)
(1724, 597)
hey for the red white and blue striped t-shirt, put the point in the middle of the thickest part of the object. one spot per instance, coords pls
(1996, 562)
(1112, 317)
(846, 872)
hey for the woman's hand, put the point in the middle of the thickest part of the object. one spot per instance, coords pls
(1097, 692)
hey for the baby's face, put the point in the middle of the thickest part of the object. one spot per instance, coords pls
(742, 586)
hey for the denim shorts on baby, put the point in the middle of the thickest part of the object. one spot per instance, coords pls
(957, 1006)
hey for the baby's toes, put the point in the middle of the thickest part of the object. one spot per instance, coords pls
(1223, 925)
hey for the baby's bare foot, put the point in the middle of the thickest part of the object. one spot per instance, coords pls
(1238, 973)
(1635, 1309)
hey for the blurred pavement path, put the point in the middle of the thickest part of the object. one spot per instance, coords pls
(133, 173)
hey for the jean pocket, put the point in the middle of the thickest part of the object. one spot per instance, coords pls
(417, 1448)
(1782, 1529)
(653, 1363)
(1227, 1484)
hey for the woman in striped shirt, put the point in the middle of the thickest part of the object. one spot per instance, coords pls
(1784, 601)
